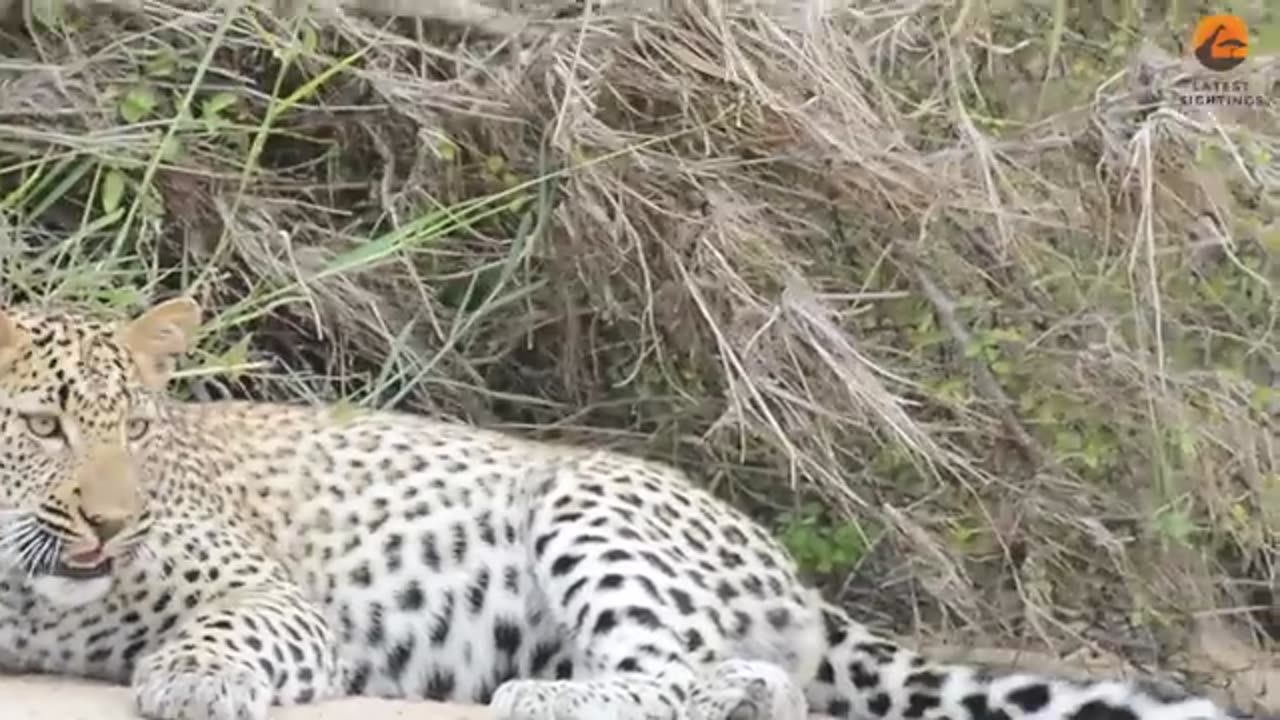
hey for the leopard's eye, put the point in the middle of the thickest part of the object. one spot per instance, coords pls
(45, 427)
(137, 427)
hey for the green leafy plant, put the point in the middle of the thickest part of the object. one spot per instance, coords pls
(821, 544)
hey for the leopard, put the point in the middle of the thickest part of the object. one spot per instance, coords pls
(223, 557)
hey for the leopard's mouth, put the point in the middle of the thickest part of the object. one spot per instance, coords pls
(87, 566)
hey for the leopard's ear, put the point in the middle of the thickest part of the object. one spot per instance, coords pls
(12, 339)
(159, 335)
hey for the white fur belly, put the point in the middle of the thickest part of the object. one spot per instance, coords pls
(431, 597)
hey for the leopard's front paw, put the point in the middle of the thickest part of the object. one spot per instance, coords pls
(175, 686)
(748, 690)
(613, 698)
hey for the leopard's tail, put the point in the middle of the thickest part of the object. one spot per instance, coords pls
(865, 677)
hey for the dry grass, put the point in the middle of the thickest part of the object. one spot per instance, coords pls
(961, 300)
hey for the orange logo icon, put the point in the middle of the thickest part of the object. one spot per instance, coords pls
(1220, 42)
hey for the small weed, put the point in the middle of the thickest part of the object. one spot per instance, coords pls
(822, 544)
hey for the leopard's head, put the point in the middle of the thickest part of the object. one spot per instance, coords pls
(79, 403)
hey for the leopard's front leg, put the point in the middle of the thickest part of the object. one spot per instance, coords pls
(231, 660)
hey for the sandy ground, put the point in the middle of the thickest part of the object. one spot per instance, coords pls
(28, 697)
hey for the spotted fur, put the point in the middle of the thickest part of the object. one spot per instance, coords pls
(224, 557)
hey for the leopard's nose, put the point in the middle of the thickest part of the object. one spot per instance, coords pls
(105, 527)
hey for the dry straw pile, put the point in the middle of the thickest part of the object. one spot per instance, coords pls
(960, 298)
